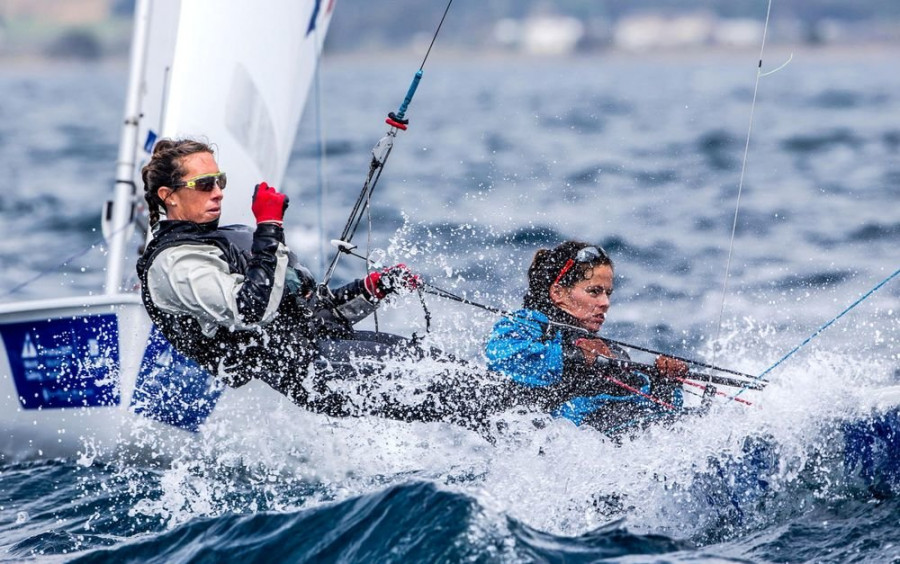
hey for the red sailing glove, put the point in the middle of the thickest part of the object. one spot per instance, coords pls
(388, 280)
(670, 367)
(268, 204)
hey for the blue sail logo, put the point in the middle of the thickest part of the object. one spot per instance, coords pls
(28, 349)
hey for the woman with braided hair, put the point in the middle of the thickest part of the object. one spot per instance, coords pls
(238, 303)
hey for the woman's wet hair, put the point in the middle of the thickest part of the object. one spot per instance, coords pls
(165, 169)
(548, 267)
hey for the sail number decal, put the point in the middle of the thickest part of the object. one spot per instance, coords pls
(57, 363)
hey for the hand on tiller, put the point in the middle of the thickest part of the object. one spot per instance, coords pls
(671, 368)
(592, 348)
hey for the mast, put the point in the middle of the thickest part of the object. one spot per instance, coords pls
(119, 213)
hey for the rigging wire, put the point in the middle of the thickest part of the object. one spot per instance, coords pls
(321, 164)
(737, 206)
(819, 331)
(761, 378)
(428, 288)
(93, 245)
(434, 37)
(434, 290)
(369, 252)
(380, 153)
(754, 383)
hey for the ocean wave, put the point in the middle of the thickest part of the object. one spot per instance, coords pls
(806, 144)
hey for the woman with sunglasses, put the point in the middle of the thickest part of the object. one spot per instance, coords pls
(236, 301)
(551, 350)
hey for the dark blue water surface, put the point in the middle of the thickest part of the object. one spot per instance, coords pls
(640, 154)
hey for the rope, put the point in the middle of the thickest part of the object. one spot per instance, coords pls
(817, 332)
(636, 391)
(737, 206)
(687, 382)
(830, 323)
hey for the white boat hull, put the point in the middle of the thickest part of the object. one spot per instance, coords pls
(74, 372)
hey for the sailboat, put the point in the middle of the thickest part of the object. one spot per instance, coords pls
(76, 370)
(80, 370)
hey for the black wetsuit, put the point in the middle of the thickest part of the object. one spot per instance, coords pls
(353, 372)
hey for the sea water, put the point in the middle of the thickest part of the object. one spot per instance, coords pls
(643, 155)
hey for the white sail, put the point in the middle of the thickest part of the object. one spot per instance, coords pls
(234, 74)
(238, 76)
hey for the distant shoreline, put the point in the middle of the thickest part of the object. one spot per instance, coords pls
(843, 49)
(23, 60)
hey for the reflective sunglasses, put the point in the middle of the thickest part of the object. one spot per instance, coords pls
(204, 182)
(585, 255)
